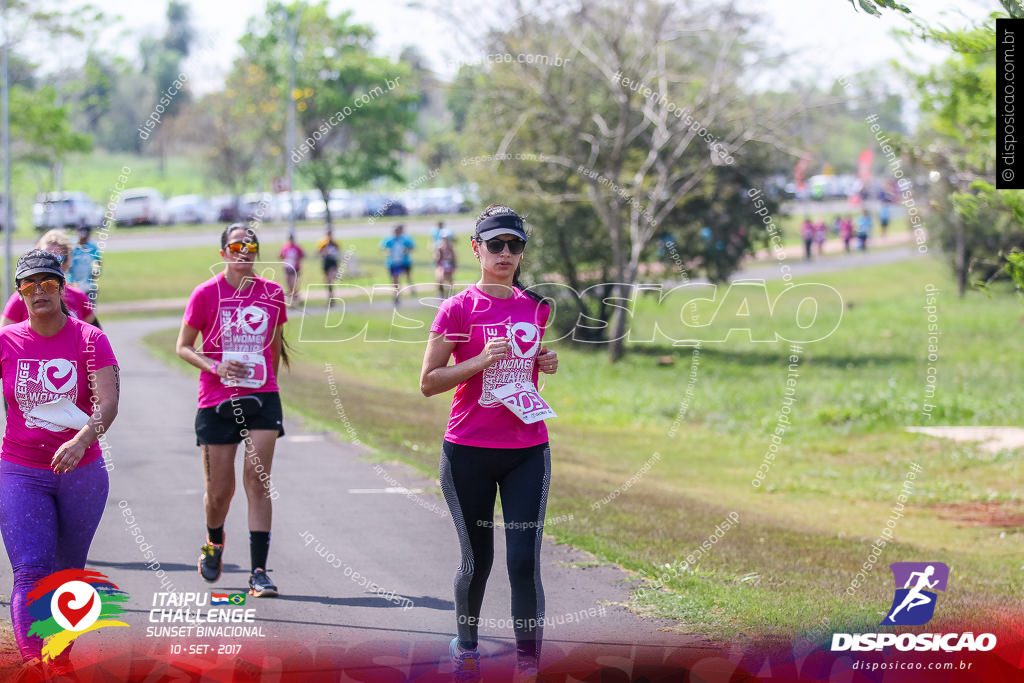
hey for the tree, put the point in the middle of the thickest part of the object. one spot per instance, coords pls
(353, 109)
(975, 224)
(875, 6)
(162, 62)
(41, 133)
(653, 103)
(226, 126)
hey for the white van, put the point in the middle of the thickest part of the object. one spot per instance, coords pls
(139, 205)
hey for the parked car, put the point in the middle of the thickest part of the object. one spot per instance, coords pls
(225, 208)
(470, 197)
(442, 200)
(187, 208)
(283, 204)
(343, 204)
(384, 205)
(65, 210)
(258, 207)
(138, 206)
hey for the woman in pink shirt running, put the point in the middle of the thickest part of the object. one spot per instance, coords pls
(241, 317)
(494, 330)
(61, 387)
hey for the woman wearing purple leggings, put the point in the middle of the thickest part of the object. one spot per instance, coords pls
(61, 387)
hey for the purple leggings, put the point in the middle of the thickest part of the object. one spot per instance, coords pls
(48, 521)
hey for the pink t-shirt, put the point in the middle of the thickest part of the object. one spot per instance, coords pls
(470, 319)
(38, 369)
(233, 321)
(293, 255)
(78, 303)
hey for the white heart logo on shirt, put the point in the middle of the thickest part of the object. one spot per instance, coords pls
(59, 375)
(253, 320)
(525, 340)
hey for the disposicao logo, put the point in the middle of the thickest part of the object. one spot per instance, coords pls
(68, 603)
(913, 604)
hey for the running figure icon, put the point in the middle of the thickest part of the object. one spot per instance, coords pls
(915, 598)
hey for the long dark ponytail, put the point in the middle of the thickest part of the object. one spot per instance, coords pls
(502, 210)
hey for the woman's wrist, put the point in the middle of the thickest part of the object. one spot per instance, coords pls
(213, 368)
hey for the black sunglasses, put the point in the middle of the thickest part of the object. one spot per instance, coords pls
(496, 244)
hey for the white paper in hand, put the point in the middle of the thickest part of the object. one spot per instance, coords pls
(60, 412)
(523, 399)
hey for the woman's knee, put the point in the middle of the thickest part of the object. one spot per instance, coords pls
(26, 575)
(256, 478)
(522, 566)
(219, 496)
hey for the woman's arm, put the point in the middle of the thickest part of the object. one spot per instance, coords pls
(107, 392)
(186, 349)
(437, 376)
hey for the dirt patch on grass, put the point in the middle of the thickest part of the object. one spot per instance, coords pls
(982, 513)
(992, 439)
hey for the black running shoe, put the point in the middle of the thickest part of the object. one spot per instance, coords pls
(260, 584)
(209, 561)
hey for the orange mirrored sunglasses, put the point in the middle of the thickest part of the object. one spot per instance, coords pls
(48, 286)
(248, 247)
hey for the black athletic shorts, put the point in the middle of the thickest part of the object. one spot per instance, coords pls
(222, 424)
(329, 264)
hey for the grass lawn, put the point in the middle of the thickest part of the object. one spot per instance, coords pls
(806, 531)
(129, 276)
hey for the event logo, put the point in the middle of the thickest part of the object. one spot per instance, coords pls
(68, 603)
(914, 603)
(525, 339)
(253, 320)
(58, 375)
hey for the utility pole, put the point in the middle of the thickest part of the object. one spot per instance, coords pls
(293, 26)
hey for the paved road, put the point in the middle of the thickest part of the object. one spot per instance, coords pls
(332, 499)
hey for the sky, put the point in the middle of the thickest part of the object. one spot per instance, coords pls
(828, 37)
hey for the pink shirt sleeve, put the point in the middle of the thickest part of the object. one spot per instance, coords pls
(276, 295)
(15, 309)
(196, 311)
(102, 355)
(450, 321)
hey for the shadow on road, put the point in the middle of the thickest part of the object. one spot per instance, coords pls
(426, 602)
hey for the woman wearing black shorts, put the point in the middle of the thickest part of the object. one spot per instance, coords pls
(240, 317)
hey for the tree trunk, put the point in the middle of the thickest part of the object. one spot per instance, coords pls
(626, 278)
(616, 345)
(325, 193)
(613, 218)
(571, 274)
(961, 259)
